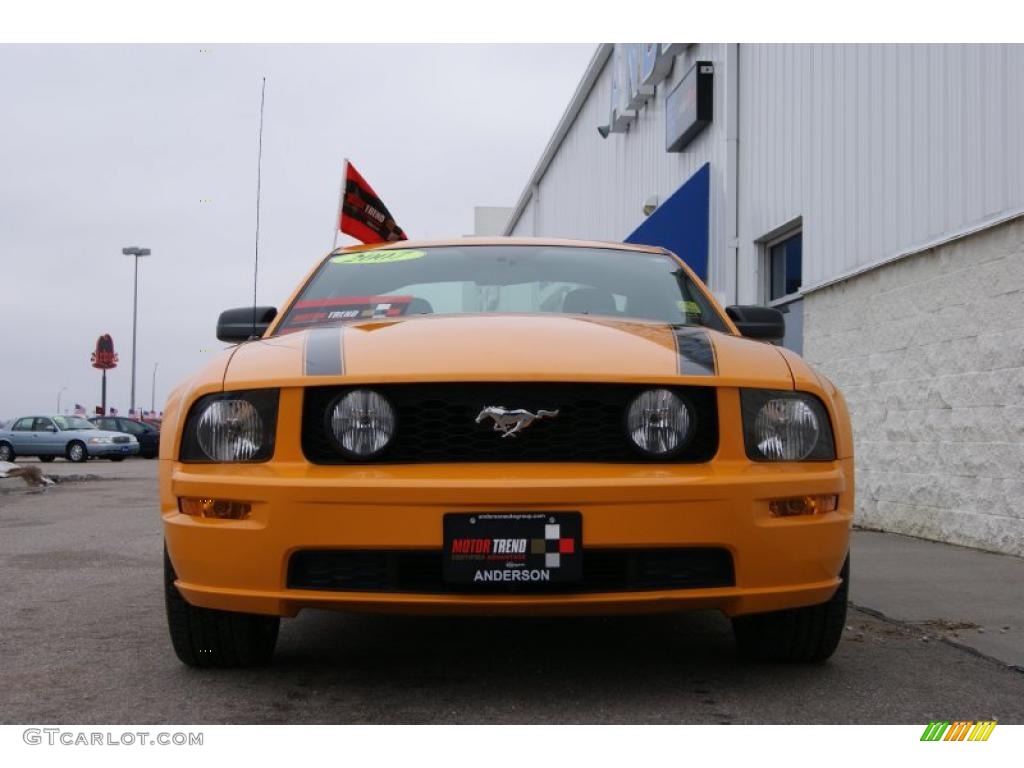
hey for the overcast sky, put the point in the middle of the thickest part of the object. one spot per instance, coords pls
(108, 146)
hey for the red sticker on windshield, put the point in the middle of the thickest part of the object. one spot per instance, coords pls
(339, 308)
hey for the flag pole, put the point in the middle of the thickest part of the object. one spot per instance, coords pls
(341, 201)
(259, 176)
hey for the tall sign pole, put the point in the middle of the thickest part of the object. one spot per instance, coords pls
(136, 252)
(152, 396)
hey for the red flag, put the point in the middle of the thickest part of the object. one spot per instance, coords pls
(362, 213)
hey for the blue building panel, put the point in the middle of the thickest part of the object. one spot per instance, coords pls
(681, 223)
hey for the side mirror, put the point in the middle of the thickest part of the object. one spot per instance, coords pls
(758, 322)
(244, 323)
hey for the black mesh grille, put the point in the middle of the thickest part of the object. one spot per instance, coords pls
(122, 439)
(604, 570)
(437, 423)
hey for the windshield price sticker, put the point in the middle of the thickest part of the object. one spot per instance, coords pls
(377, 257)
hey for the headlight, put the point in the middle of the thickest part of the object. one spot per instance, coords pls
(100, 440)
(231, 427)
(785, 426)
(361, 423)
(659, 422)
(230, 430)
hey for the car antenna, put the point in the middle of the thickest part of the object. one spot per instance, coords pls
(259, 169)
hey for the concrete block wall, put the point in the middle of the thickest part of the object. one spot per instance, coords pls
(929, 352)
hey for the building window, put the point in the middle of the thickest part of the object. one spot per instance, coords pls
(783, 251)
(785, 266)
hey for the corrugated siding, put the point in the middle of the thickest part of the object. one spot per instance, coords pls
(596, 188)
(878, 148)
(524, 227)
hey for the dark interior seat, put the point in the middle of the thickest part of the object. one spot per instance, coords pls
(589, 301)
(419, 306)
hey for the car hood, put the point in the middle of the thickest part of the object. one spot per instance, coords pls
(506, 348)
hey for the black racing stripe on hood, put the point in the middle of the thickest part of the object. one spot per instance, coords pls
(323, 353)
(696, 354)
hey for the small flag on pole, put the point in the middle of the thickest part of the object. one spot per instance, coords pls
(362, 214)
(79, 409)
(113, 411)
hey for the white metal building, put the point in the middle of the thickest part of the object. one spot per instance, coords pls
(875, 193)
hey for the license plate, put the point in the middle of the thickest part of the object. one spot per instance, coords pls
(527, 548)
(125, 449)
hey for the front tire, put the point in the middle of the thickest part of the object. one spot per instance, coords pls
(203, 637)
(77, 452)
(7, 452)
(797, 635)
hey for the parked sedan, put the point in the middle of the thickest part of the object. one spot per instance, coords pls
(147, 434)
(72, 437)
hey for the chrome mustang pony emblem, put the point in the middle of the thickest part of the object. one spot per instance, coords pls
(510, 422)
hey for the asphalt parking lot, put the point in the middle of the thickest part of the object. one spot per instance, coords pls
(83, 640)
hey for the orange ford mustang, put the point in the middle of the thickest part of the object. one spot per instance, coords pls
(505, 426)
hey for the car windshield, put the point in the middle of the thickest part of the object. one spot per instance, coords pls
(73, 422)
(478, 279)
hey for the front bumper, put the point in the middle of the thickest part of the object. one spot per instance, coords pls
(242, 565)
(102, 450)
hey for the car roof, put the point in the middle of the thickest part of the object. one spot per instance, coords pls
(537, 241)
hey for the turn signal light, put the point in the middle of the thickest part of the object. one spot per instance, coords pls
(804, 505)
(216, 508)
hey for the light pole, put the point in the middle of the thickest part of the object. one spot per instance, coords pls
(136, 252)
(58, 399)
(152, 402)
